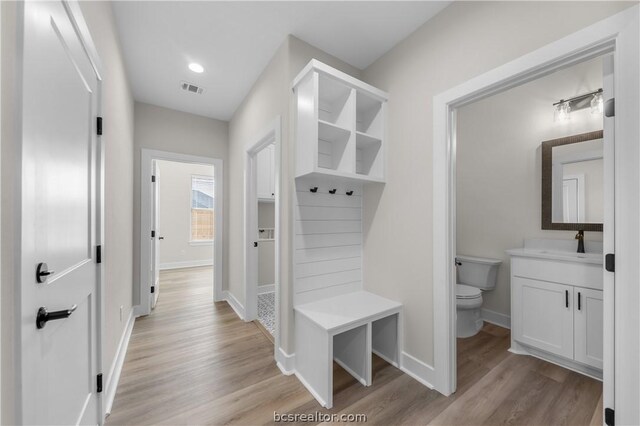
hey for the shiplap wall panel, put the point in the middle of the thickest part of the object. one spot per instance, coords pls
(327, 241)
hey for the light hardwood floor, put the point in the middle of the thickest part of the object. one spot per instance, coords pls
(195, 362)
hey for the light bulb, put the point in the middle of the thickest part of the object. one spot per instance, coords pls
(597, 104)
(562, 111)
(195, 67)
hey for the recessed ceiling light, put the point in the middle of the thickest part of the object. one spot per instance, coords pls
(196, 67)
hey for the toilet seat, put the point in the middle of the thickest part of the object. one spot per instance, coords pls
(467, 292)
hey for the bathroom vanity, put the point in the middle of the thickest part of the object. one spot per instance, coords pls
(556, 304)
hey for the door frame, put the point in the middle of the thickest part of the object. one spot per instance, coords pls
(617, 34)
(77, 19)
(148, 156)
(270, 135)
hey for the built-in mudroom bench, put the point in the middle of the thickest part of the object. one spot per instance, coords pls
(340, 147)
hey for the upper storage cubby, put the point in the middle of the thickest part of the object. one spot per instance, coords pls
(339, 125)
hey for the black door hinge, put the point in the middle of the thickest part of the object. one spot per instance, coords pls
(610, 262)
(99, 383)
(610, 108)
(153, 179)
(609, 417)
(153, 234)
(99, 126)
(99, 254)
(153, 289)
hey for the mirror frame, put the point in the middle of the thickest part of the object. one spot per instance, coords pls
(547, 184)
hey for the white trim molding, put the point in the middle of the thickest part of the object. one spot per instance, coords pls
(417, 369)
(235, 304)
(186, 264)
(618, 35)
(496, 318)
(285, 362)
(118, 361)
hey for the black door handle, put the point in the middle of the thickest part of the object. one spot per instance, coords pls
(43, 316)
(161, 238)
(255, 244)
(579, 300)
(566, 298)
(43, 272)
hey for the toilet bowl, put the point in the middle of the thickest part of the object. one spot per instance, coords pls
(468, 305)
(475, 275)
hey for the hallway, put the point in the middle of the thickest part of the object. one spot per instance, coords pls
(194, 362)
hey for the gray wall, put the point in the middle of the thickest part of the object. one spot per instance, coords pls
(269, 97)
(165, 129)
(465, 40)
(499, 167)
(176, 249)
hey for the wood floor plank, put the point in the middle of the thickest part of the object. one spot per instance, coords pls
(193, 361)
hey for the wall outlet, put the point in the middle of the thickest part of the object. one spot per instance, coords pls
(121, 313)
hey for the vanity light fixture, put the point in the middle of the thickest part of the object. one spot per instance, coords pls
(592, 100)
(597, 103)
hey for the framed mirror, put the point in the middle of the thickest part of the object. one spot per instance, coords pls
(573, 183)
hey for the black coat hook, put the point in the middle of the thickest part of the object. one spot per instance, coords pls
(314, 189)
(349, 193)
(332, 191)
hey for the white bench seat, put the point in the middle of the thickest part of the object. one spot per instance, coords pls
(347, 329)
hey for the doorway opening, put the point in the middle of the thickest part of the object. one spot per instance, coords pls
(181, 225)
(505, 182)
(616, 36)
(183, 232)
(262, 237)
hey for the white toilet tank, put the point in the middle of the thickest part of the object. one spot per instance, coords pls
(478, 271)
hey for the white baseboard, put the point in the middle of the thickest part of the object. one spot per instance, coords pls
(186, 264)
(286, 362)
(496, 318)
(266, 288)
(424, 373)
(234, 303)
(113, 377)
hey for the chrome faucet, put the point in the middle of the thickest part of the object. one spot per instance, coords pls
(580, 238)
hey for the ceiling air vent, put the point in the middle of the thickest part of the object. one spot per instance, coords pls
(190, 87)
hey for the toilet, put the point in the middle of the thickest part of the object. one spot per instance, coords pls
(475, 275)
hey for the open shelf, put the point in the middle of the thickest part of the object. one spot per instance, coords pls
(368, 155)
(368, 115)
(332, 145)
(335, 102)
(339, 126)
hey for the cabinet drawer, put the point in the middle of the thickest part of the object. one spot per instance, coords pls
(578, 274)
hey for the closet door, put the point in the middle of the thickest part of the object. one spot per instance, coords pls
(544, 315)
(588, 326)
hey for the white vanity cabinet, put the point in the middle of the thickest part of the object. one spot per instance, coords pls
(556, 309)
(266, 173)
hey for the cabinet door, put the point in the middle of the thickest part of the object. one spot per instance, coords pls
(588, 326)
(543, 315)
(272, 175)
(264, 171)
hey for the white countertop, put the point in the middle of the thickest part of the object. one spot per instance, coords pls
(566, 256)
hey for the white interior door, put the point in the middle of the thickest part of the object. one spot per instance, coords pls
(59, 222)
(570, 200)
(155, 240)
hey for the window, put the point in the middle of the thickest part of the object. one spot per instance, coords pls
(202, 205)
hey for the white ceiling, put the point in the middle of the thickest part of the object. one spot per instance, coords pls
(234, 41)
